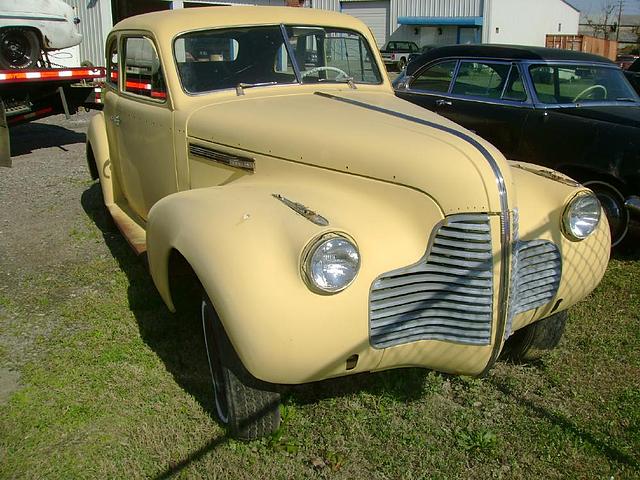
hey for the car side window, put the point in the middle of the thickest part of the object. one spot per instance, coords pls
(514, 89)
(113, 69)
(436, 78)
(142, 69)
(481, 79)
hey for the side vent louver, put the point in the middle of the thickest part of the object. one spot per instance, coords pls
(235, 161)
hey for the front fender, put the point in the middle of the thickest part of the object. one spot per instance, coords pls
(541, 202)
(245, 246)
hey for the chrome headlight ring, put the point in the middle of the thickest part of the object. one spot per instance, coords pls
(330, 263)
(581, 216)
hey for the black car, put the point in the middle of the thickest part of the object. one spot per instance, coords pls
(571, 111)
(633, 74)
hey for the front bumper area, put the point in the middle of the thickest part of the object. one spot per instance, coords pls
(633, 206)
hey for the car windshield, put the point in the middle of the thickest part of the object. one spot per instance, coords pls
(561, 84)
(263, 55)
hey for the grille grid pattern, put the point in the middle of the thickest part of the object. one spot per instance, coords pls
(536, 275)
(446, 296)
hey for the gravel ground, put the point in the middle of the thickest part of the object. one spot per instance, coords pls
(41, 209)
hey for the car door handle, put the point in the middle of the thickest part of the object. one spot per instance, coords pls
(115, 119)
(441, 103)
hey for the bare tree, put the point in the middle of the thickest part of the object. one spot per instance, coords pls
(601, 24)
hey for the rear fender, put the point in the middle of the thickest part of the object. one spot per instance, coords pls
(98, 155)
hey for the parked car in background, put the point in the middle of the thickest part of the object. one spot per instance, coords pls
(322, 248)
(633, 75)
(625, 61)
(29, 27)
(395, 54)
(570, 111)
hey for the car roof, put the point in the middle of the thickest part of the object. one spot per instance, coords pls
(172, 22)
(510, 52)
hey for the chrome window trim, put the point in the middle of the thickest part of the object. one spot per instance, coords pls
(505, 214)
(453, 96)
(523, 67)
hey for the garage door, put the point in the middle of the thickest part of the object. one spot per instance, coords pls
(374, 14)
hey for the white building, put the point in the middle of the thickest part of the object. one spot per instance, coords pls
(441, 22)
(425, 22)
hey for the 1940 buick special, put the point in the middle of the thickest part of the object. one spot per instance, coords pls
(250, 142)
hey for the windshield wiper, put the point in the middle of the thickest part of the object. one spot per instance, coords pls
(241, 86)
(626, 99)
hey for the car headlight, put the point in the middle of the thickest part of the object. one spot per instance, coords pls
(581, 216)
(331, 263)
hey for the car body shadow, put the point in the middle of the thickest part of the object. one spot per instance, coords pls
(35, 136)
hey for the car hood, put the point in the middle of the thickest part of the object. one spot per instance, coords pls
(626, 115)
(374, 135)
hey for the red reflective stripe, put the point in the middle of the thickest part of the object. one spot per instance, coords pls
(158, 94)
(138, 85)
(51, 74)
(114, 75)
(37, 113)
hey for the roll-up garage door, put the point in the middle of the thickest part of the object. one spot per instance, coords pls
(374, 14)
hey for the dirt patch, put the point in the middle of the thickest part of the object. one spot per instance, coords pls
(9, 383)
(40, 220)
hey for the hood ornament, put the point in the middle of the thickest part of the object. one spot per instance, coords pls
(299, 208)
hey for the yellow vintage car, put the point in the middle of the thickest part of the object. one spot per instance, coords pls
(334, 228)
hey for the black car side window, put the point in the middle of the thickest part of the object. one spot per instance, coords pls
(481, 79)
(514, 89)
(436, 78)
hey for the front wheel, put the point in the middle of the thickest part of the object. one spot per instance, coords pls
(531, 342)
(612, 201)
(402, 63)
(244, 405)
(19, 48)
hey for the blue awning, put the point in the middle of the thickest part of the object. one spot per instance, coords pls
(441, 21)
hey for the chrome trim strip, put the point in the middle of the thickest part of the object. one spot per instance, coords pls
(505, 216)
(243, 163)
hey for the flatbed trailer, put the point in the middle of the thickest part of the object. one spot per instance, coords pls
(27, 95)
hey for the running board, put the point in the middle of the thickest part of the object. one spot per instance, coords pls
(131, 230)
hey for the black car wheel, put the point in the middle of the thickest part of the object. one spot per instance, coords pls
(612, 202)
(244, 405)
(19, 48)
(531, 342)
(402, 63)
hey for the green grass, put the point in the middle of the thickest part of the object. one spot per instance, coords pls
(114, 386)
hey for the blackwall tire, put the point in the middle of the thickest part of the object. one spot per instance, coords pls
(401, 64)
(612, 201)
(533, 341)
(244, 405)
(19, 48)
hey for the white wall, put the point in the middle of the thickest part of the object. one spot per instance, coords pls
(527, 22)
(426, 35)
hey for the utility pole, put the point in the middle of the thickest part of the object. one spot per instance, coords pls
(620, 5)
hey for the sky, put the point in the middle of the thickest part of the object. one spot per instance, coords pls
(630, 7)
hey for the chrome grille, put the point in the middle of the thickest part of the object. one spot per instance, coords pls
(448, 295)
(536, 274)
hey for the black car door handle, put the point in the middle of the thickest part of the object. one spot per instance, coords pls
(441, 103)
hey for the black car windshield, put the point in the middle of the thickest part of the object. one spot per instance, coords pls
(244, 57)
(562, 84)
